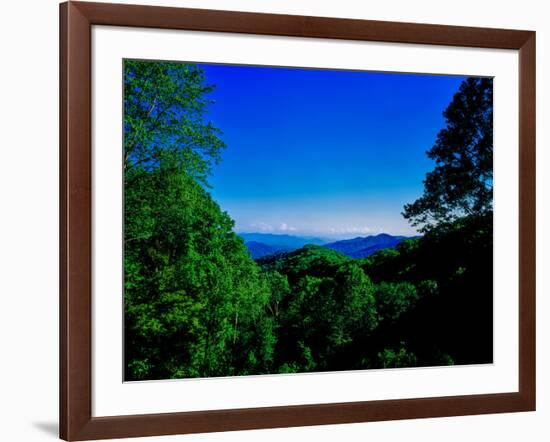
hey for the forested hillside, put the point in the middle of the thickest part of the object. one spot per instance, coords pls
(198, 305)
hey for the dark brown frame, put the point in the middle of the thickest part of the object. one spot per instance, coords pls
(76, 421)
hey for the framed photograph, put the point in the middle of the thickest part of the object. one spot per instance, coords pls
(273, 220)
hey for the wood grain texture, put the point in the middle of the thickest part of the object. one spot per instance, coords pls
(299, 26)
(302, 415)
(63, 292)
(76, 421)
(75, 223)
(527, 220)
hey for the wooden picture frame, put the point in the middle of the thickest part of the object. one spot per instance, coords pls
(76, 421)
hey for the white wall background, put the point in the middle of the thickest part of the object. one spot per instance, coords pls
(29, 218)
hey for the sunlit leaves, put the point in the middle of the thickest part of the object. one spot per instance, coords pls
(165, 108)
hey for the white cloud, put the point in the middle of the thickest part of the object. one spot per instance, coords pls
(286, 228)
(351, 229)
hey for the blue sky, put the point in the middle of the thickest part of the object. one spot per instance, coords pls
(323, 152)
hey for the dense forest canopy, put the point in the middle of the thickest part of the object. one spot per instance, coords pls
(198, 305)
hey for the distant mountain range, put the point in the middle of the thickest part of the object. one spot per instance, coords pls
(361, 247)
(265, 244)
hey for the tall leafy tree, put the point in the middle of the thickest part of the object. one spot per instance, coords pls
(164, 113)
(461, 183)
(194, 299)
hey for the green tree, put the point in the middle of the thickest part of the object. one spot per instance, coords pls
(461, 183)
(194, 299)
(395, 298)
(355, 304)
(327, 302)
(164, 113)
(389, 358)
(279, 289)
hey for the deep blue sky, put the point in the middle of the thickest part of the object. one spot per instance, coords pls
(324, 152)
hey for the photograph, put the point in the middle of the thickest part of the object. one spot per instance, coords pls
(282, 220)
(247, 221)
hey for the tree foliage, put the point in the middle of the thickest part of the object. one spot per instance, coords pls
(164, 114)
(389, 358)
(461, 183)
(193, 297)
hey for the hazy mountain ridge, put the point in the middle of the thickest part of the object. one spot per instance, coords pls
(261, 245)
(283, 240)
(361, 247)
(264, 244)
